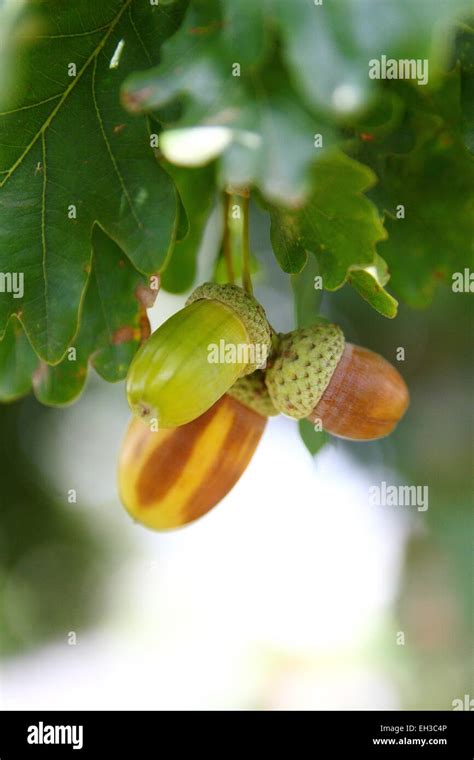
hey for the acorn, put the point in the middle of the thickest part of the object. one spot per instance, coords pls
(192, 359)
(353, 392)
(169, 478)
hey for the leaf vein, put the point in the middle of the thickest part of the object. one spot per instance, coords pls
(111, 154)
(31, 105)
(67, 91)
(138, 35)
(43, 232)
(66, 36)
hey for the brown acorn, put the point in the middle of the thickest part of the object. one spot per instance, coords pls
(170, 477)
(354, 393)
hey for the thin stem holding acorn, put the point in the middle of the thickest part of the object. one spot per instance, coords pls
(226, 243)
(246, 276)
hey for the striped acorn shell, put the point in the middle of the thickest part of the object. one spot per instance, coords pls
(168, 478)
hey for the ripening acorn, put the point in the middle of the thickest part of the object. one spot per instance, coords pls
(169, 478)
(354, 392)
(173, 378)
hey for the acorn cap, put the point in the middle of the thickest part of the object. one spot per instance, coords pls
(303, 367)
(253, 393)
(249, 311)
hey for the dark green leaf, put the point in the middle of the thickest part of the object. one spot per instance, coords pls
(428, 196)
(262, 132)
(328, 46)
(18, 361)
(71, 156)
(339, 224)
(111, 326)
(435, 186)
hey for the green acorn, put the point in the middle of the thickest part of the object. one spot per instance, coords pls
(221, 335)
(353, 392)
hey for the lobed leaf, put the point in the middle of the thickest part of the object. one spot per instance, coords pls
(338, 223)
(113, 324)
(18, 361)
(328, 45)
(70, 157)
(249, 117)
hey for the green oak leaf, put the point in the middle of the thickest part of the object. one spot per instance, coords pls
(369, 283)
(112, 323)
(198, 60)
(338, 223)
(70, 156)
(245, 31)
(327, 46)
(18, 361)
(427, 195)
(312, 439)
(435, 186)
(252, 122)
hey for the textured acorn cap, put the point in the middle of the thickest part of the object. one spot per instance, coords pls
(302, 368)
(253, 393)
(250, 312)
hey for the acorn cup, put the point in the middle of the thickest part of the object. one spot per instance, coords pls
(173, 379)
(170, 478)
(354, 392)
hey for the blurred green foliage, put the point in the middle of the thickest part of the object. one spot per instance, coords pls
(48, 585)
(433, 446)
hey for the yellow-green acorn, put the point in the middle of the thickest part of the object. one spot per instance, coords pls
(353, 392)
(193, 358)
